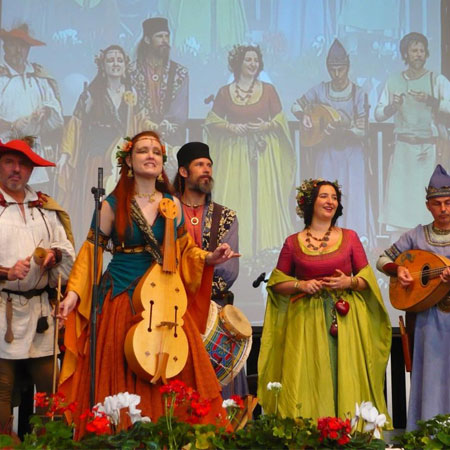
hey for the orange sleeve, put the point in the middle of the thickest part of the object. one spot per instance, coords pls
(80, 281)
(197, 278)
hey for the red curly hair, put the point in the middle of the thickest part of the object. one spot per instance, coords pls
(125, 189)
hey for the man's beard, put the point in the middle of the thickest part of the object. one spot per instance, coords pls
(417, 63)
(202, 187)
(162, 52)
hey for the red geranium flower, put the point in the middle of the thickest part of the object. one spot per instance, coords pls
(40, 398)
(201, 409)
(238, 400)
(99, 425)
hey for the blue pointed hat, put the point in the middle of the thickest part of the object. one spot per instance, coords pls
(337, 55)
(439, 185)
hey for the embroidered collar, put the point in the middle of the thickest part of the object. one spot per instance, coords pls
(38, 203)
(435, 239)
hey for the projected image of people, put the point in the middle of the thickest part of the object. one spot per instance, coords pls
(162, 85)
(416, 98)
(332, 116)
(249, 138)
(39, 111)
(103, 114)
(325, 316)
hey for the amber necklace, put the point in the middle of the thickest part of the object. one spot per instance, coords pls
(248, 93)
(323, 240)
(150, 196)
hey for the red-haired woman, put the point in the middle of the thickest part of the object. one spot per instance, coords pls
(130, 220)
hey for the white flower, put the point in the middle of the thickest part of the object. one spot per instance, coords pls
(229, 403)
(274, 386)
(380, 421)
(376, 425)
(114, 403)
(136, 417)
(368, 412)
(355, 418)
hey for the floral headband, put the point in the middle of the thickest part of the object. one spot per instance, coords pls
(124, 150)
(305, 190)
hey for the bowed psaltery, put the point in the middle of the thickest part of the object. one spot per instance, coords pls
(156, 347)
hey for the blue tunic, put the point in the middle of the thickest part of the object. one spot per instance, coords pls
(430, 393)
(341, 156)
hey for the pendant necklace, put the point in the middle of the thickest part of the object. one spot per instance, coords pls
(149, 196)
(248, 93)
(323, 240)
(193, 219)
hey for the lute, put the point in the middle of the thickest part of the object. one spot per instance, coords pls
(427, 289)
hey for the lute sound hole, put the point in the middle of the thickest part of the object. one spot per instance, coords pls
(425, 275)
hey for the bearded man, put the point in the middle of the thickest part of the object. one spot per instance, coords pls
(210, 225)
(162, 85)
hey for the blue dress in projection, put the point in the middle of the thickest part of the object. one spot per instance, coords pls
(430, 393)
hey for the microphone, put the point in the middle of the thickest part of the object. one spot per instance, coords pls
(259, 280)
(100, 180)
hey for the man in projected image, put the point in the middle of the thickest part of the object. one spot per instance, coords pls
(162, 85)
(29, 99)
(415, 98)
(429, 393)
(209, 224)
(338, 151)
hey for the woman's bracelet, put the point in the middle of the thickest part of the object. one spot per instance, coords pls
(296, 286)
(354, 283)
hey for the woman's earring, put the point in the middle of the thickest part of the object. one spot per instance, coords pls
(130, 172)
(160, 178)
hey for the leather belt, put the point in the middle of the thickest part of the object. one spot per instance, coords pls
(27, 294)
(415, 140)
(135, 249)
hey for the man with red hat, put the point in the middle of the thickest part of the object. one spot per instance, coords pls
(29, 100)
(36, 245)
(162, 85)
(430, 329)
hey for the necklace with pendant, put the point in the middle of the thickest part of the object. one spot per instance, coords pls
(149, 196)
(193, 219)
(247, 93)
(323, 240)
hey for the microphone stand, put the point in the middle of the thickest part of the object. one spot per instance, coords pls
(98, 193)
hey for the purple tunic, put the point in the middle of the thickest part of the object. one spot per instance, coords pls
(430, 393)
(341, 156)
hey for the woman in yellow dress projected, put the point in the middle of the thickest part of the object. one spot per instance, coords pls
(252, 150)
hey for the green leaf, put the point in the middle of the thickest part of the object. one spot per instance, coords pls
(444, 437)
(6, 441)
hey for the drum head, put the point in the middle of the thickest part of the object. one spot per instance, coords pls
(236, 322)
(212, 319)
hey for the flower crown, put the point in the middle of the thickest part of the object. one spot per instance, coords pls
(124, 150)
(305, 190)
